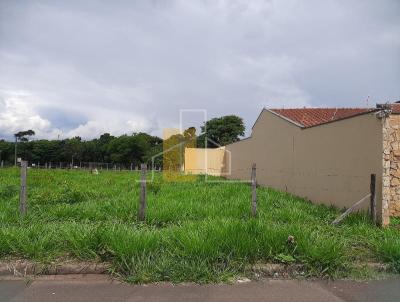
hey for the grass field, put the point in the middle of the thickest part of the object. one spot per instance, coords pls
(195, 231)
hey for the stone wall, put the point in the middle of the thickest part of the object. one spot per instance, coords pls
(394, 126)
(391, 168)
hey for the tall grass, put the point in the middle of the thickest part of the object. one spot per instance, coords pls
(194, 231)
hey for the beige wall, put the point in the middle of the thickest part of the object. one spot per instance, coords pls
(328, 164)
(205, 161)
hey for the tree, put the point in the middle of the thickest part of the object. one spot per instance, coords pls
(44, 151)
(189, 133)
(173, 147)
(6, 151)
(222, 130)
(126, 149)
(22, 136)
(72, 150)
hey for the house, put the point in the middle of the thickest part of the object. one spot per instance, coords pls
(326, 155)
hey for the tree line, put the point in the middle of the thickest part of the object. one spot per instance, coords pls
(125, 149)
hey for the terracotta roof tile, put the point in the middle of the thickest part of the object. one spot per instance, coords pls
(308, 117)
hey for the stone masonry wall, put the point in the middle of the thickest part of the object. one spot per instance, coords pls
(391, 168)
(394, 130)
(386, 188)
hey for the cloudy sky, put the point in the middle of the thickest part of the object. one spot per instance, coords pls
(86, 67)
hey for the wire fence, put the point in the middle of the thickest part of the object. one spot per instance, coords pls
(145, 167)
(85, 166)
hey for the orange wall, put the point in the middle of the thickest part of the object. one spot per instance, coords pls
(204, 161)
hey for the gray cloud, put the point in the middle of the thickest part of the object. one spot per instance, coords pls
(127, 66)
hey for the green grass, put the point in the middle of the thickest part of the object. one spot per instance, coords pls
(194, 231)
(395, 221)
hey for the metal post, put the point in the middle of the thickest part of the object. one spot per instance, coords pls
(22, 195)
(254, 191)
(373, 198)
(142, 204)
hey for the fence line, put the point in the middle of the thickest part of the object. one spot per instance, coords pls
(136, 167)
(87, 166)
(142, 200)
(371, 196)
(143, 189)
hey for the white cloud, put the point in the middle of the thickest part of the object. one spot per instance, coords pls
(16, 114)
(125, 66)
(110, 125)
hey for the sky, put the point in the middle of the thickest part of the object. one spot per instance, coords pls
(82, 68)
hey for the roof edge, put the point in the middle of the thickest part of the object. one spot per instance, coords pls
(285, 118)
(373, 110)
(304, 127)
(258, 117)
(277, 114)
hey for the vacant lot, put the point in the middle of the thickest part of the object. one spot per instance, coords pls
(195, 231)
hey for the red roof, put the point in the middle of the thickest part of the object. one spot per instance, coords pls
(308, 117)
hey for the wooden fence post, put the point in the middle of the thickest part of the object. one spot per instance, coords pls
(373, 198)
(253, 191)
(22, 194)
(142, 204)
